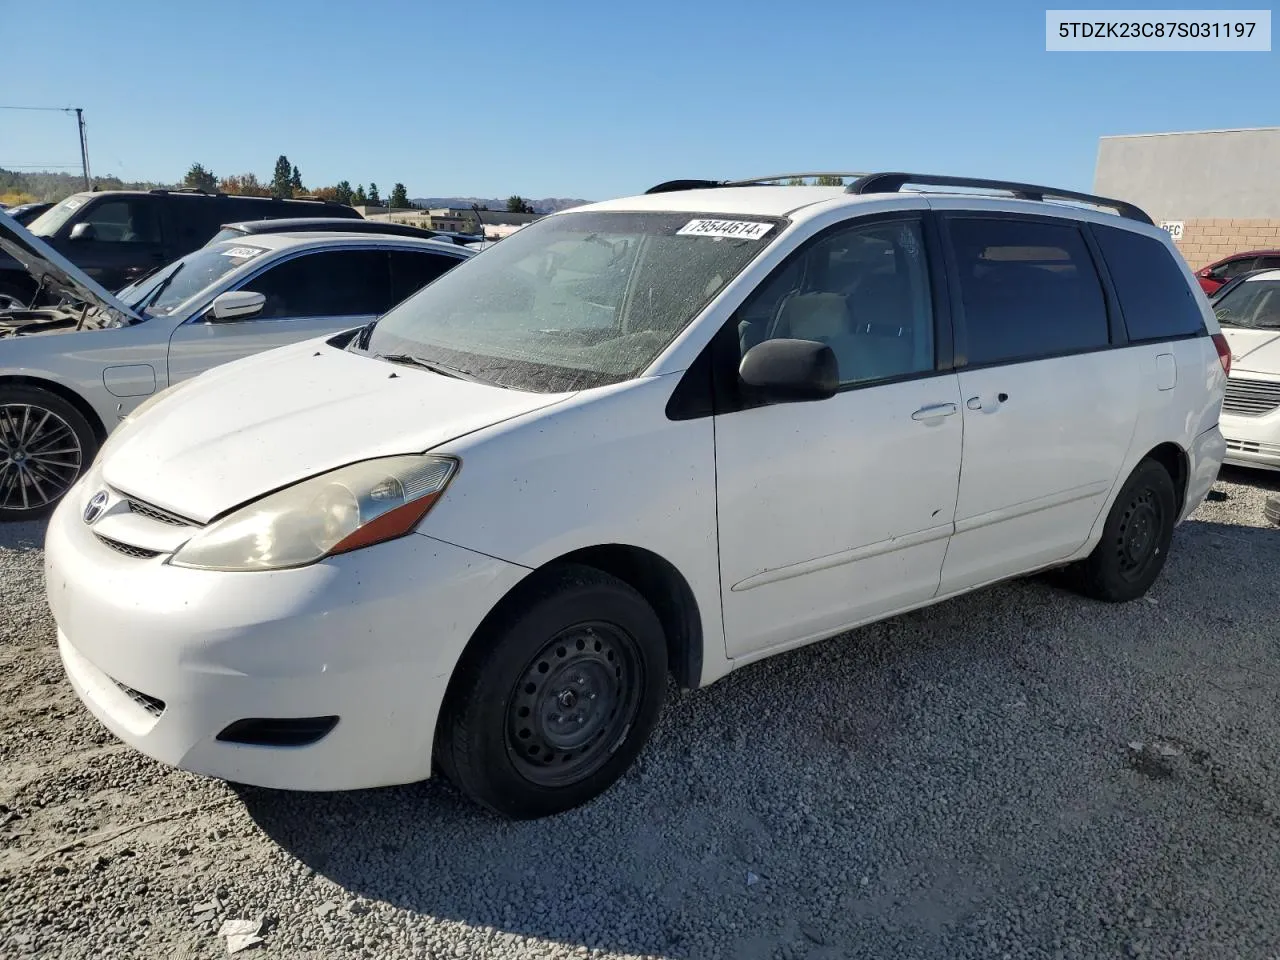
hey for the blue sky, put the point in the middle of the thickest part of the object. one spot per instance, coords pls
(591, 100)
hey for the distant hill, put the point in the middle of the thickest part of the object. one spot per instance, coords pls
(545, 205)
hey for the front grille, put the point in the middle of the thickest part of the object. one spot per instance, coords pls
(1251, 398)
(153, 705)
(155, 513)
(138, 553)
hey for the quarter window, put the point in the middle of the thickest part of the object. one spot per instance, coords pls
(1155, 298)
(863, 291)
(1029, 290)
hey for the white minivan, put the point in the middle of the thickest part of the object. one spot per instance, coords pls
(664, 435)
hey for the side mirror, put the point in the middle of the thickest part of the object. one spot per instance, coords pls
(790, 371)
(236, 305)
(82, 231)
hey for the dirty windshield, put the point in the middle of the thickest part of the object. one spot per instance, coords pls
(160, 293)
(1254, 303)
(574, 301)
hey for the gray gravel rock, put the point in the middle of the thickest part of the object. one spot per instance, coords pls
(959, 782)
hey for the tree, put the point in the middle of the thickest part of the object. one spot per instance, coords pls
(359, 198)
(399, 197)
(244, 184)
(518, 204)
(282, 178)
(826, 181)
(200, 178)
(295, 180)
(374, 199)
(342, 192)
(796, 182)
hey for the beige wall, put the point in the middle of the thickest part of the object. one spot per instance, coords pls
(1208, 239)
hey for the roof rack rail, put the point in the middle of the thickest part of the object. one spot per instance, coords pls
(671, 186)
(195, 190)
(894, 182)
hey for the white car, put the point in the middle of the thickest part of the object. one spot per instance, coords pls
(1249, 313)
(59, 397)
(668, 434)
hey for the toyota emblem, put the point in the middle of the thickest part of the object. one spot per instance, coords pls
(95, 507)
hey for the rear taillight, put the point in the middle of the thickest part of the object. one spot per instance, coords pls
(1224, 352)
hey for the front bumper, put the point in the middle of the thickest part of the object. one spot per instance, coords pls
(1253, 441)
(371, 637)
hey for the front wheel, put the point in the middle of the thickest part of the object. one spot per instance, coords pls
(554, 700)
(1135, 538)
(45, 445)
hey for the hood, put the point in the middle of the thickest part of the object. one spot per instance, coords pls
(255, 425)
(58, 274)
(1257, 351)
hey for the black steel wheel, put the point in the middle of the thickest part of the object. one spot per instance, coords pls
(1135, 538)
(556, 694)
(577, 697)
(45, 445)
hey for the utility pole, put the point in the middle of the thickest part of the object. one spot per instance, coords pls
(84, 143)
(84, 148)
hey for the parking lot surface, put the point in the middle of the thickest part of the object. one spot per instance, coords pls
(1017, 773)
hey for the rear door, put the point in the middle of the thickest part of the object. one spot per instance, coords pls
(309, 295)
(411, 270)
(1050, 399)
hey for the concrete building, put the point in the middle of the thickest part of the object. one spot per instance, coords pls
(1216, 191)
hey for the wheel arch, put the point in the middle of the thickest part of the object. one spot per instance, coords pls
(62, 391)
(1177, 462)
(654, 578)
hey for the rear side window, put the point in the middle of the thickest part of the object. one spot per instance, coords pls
(1155, 298)
(1029, 290)
(411, 271)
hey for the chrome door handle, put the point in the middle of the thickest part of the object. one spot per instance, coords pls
(934, 412)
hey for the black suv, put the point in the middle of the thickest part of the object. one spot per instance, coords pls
(116, 236)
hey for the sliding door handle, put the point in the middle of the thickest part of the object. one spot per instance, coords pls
(935, 411)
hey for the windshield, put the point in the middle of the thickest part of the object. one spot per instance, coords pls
(195, 271)
(574, 301)
(1254, 303)
(51, 221)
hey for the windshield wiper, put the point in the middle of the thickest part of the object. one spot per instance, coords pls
(160, 288)
(409, 360)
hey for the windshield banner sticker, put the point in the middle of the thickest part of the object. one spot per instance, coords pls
(734, 229)
(242, 253)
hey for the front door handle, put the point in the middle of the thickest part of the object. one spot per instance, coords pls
(934, 412)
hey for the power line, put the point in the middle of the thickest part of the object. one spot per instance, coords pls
(57, 109)
(84, 143)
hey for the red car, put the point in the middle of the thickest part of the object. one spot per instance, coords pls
(1216, 274)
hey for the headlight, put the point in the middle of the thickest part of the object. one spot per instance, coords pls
(346, 509)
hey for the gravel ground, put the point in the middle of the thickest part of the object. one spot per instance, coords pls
(1018, 773)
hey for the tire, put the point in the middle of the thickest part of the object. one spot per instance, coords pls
(1271, 510)
(1135, 539)
(528, 747)
(13, 297)
(45, 445)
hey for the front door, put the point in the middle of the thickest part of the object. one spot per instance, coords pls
(1049, 405)
(117, 240)
(315, 293)
(837, 511)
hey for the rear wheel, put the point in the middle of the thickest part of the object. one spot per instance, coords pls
(1135, 539)
(45, 445)
(557, 697)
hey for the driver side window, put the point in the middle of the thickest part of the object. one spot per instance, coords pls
(862, 290)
